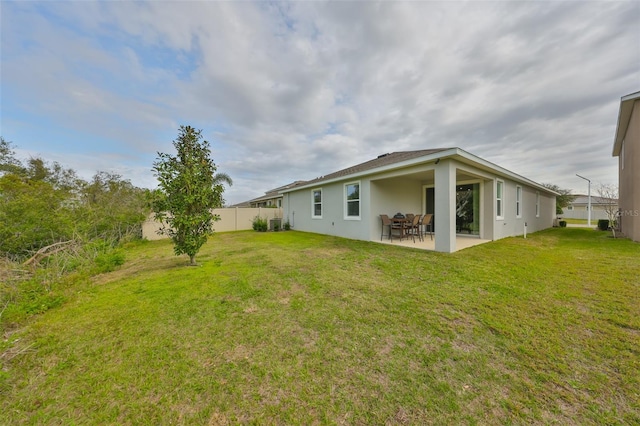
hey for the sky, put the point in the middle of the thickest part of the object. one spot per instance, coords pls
(287, 91)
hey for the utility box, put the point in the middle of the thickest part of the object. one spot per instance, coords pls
(275, 224)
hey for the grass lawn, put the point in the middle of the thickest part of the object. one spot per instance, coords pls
(295, 328)
(580, 221)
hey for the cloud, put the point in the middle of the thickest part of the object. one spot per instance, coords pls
(288, 91)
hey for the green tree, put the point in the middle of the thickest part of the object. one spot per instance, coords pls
(42, 203)
(33, 214)
(112, 207)
(608, 194)
(8, 161)
(35, 203)
(220, 178)
(62, 179)
(187, 192)
(564, 197)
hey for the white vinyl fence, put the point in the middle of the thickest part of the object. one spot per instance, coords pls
(231, 219)
(596, 213)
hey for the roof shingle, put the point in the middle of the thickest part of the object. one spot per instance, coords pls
(380, 161)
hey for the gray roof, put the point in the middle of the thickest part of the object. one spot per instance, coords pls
(398, 159)
(380, 161)
(275, 193)
(584, 199)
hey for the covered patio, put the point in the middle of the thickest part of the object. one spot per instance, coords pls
(462, 242)
(471, 199)
(453, 192)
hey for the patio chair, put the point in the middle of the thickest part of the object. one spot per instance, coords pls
(413, 227)
(426, 223)
(399, 227)
(386, 223)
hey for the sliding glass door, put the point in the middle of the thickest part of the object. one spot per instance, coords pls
(467, 207)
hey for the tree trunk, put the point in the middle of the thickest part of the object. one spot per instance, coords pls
(192, 260)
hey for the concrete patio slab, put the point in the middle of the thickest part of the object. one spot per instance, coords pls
(462, 242)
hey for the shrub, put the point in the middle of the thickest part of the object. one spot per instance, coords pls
(260, 224)
(603, 224)
(27, 290)
(110, 260)
(287, 226)
(563, 224)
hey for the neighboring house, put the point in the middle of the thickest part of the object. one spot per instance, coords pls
(626, 146)
(464, 192)
(600, 208)
(272, 198)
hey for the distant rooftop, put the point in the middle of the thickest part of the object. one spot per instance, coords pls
(584, 199)
(275, 192)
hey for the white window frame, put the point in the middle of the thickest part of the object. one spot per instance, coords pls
(499, 200)
(518, 201)
(346, 201)
(314, 203)
(537, 204)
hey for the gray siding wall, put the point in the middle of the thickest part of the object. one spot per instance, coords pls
(629, 177)
(512, 225)
(488, 218)
(298, 209)
(391, 196)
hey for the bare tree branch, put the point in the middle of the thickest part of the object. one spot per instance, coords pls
(608, 194)
(47, 251)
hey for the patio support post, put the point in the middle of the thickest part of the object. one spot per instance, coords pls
(445, 206)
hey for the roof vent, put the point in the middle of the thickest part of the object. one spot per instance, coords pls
(383, 155)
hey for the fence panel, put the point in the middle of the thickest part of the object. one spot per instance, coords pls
(231, 219)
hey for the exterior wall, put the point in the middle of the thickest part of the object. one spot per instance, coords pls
(398, 192)
(512, 225)
(391, 196)
(380, 194)
(488, 217)
(298, 205)
(629, 178)
(231, 219)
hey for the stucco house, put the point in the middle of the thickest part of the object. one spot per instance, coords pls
(626, 146)
(271, 198)
(348, 203)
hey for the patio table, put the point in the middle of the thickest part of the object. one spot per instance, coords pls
(402, 221)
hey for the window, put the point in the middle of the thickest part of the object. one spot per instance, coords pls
(352, 200)
(499, 199)
(316, 200)
(537, 204)
(518, 201)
